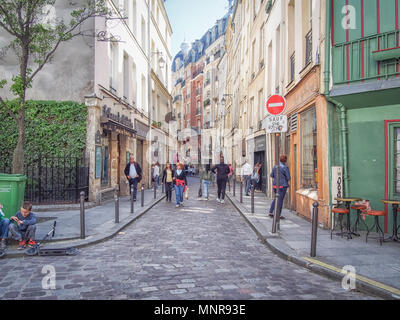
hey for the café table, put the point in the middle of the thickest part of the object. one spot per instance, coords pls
(395, 206)
(348, 202)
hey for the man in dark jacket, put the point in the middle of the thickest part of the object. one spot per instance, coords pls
(284, 178)
(222, 171)
(133, 173)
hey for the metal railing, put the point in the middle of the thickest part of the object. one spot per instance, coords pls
(353, 61)
(308, 47)
(292, 66)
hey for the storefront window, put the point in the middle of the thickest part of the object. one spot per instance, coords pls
(104, 175)
(397, 160)
(309, 168)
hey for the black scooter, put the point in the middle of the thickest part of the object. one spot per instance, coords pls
(37, 250)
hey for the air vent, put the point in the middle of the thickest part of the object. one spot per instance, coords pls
(293, 122)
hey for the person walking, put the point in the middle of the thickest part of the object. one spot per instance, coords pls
(284, 178)
(180, 183)
(133, 173)
(230, 175)
(167, 179)
(156, 175)
(246, 176)
(206, 179)
(222, 171)
(255, 176)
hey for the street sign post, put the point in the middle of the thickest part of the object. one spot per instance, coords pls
(276, 124)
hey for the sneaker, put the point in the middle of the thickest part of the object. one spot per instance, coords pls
(177, 205)
(271, 215)
(207, 199)
(218, 200)
(182, 204)
(22, 245)
(283, 218)
(222, 201)
(31, 243)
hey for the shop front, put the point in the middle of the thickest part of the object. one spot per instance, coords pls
(110, 139)
(306, 146)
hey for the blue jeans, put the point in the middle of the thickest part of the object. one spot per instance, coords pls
(4, 227)
(133, 182)
(282, 193)
(206, 185)
(157, 181)
(179, 194)
(248, 184)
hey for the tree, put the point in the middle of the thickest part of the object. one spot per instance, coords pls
(35, 41)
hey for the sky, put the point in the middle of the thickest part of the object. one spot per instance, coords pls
(190, 19)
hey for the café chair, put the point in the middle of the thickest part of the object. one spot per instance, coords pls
(359, 208)
(341, 212)
(376, 214)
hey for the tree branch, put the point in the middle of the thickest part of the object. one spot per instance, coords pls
(8, 110)
(8, 18)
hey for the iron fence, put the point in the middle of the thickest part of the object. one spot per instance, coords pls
(53, 179)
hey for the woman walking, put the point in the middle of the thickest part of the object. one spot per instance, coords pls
(156, 175)
(222, 171)
(284, 178)
(206, 179)
(180, 183)
(167, 179)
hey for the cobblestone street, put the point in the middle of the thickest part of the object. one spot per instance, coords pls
(204, 250)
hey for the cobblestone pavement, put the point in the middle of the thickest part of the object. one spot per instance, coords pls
(204, 250)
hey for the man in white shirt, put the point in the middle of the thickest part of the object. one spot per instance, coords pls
(247, 170)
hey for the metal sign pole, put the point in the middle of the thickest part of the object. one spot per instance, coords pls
(277, 216)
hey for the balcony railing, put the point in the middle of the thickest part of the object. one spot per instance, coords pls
(358, 61)
(292, 66)
(308, 47)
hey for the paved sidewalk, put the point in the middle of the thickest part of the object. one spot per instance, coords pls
(99, 222)
(377, 267)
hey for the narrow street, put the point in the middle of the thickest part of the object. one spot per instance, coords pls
(204, 250)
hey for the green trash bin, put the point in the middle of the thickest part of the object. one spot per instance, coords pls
(12, 192)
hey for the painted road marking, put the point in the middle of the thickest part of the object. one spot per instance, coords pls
(358, 277)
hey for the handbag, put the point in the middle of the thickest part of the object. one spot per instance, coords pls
(200, 192)
(187, 193)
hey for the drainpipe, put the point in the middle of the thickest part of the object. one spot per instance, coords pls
(340, 108)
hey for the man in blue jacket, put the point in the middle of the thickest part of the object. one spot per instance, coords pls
(284, 178)
(25, 226)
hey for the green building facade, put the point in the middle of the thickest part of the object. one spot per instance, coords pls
(362, 81)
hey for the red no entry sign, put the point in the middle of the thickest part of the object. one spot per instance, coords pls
(276, 105)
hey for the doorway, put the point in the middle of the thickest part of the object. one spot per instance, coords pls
(259, 157)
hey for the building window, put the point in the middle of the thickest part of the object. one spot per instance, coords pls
(397, 160)
(126, 77)
(309, 168)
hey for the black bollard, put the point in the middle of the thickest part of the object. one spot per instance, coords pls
(252, 198)
(163, 188)
(314, 230)
(234, 187)
(229, 185)
(82, 201)
(155, 190)
(116, 200)
(142, 194)
(132, 202)
(241, 191)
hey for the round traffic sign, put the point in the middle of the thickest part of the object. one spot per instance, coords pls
(276, 105)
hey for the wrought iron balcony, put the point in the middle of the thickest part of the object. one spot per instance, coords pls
(309, 47)
(368, 58)
(292, 66)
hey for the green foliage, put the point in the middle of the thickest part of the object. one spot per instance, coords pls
(52, 128)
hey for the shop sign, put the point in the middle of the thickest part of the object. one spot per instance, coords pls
(118, 118)
(259, 144)
(141, 129)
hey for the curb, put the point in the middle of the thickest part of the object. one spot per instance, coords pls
(361, 285)
(96, 240)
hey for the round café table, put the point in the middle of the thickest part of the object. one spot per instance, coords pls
(348, 202)
(395, 206)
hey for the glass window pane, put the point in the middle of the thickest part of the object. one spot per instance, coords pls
(309, 167)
